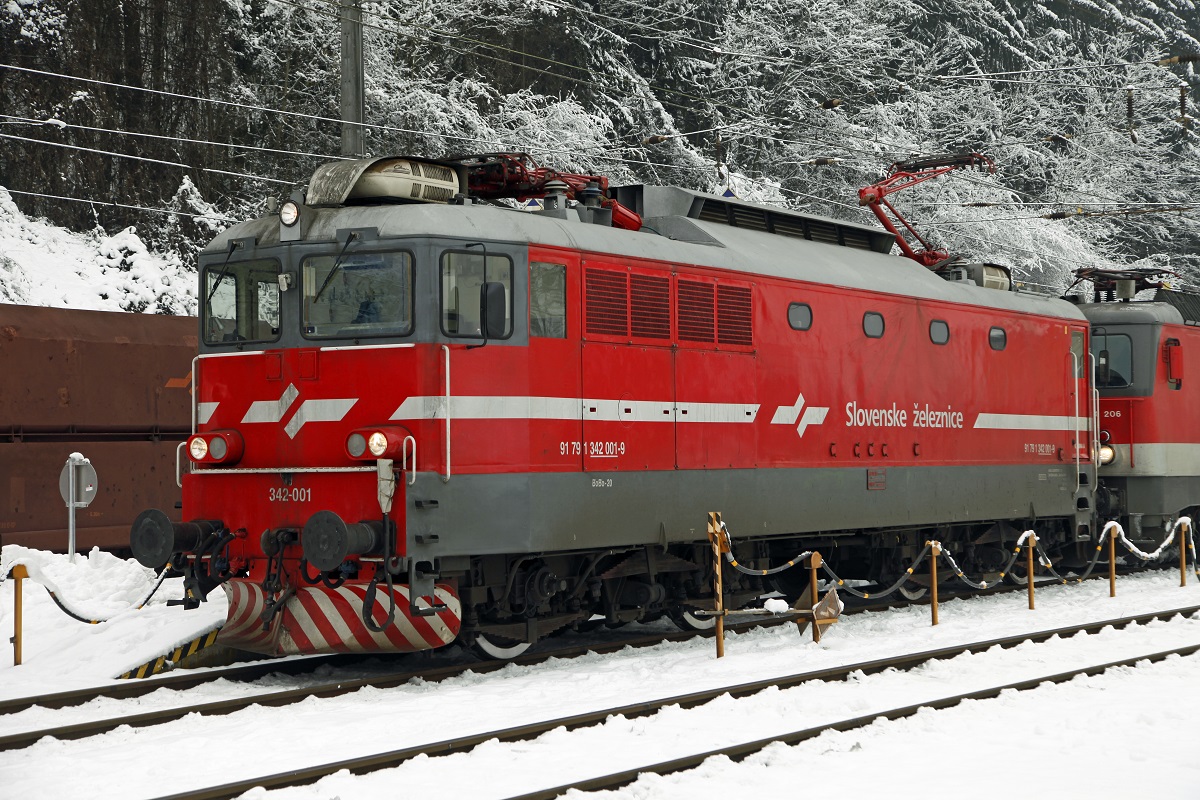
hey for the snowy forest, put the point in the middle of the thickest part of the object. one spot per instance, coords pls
(1095, 138)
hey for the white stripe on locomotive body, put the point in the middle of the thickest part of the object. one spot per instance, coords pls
(331, 410)
(205, 411)
(1175, 459)
(272, 410)
(573, 408)
(1031, 422)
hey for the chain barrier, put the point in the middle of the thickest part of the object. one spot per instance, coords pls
(746, 570)
(1042, 557)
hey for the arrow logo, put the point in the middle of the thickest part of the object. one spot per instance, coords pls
(787, 415)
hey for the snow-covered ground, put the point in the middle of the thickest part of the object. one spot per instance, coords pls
(1124, 733)
(45, 265)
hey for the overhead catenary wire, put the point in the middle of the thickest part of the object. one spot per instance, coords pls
(114, 204)
(145, 159)
(57, 123)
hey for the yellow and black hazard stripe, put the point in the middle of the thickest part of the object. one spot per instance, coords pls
(164, 662)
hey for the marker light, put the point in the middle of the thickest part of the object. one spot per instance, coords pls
(385, 441)
(216, 447)
(289, 212)
(1107, 454)
(377, 443)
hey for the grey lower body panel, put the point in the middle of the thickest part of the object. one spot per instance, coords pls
(555, 512)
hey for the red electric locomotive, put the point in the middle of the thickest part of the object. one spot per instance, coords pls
(424, 416)
(1148, 429)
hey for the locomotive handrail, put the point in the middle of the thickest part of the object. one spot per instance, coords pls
(1075, 417)
(412, 471)
(446, 350)
(178, 449)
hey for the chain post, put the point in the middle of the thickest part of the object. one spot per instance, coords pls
(1112, 563)
(1183, 530)
(714, 536)
(19, 573)
(1029, 568)
(933, 580)
(814, 563)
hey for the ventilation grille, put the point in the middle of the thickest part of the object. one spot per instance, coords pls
(734, 318)
(695, 312)
(437, 194)
(650, 304)
(1187, 303)
(783, 223)
(607, 302)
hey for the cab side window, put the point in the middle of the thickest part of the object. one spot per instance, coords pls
(547, 300)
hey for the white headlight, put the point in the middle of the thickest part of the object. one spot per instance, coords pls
(377, 443)
(198, 447)
(289, 212)
(1107, 454)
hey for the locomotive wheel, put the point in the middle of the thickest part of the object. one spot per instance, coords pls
(687, 620)
(912, 591)
(487, 648)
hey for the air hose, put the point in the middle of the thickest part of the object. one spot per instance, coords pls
(368, 608)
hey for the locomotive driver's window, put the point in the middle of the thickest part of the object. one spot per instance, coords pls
(1114, 359)
(463, 276)
(241, 302)
(359, 295)
(548, 300)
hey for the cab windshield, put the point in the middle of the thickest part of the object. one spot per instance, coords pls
(1114, 359)
(364, 294)
(241, 301)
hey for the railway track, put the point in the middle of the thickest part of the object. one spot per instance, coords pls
(461, 744)
(304, 667)
(301, 667)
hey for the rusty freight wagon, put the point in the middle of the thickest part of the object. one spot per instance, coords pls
(115, 387)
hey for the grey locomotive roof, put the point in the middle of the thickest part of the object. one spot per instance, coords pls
(1131, 313)
(697, 242)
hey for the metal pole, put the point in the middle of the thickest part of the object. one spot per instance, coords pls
(352, 77)
(1182, 555)
(72, 493)
(714, 535)
(814, 564)
(1112, 564)
(1029, 569)
(19, 573)
(933, 559)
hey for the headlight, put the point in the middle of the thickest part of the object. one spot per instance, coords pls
(377, 443)
(289, 212)
(1107, 454)
(198, 448)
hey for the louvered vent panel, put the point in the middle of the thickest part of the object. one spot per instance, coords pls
(734, 318)
(696, 312)
(437, 194)
(713, 211)
(416, 168)
(752, 218)
(822, 231)
(650, 304)
(439, 173)
(607, 302)
(786, 226)
(857, 239)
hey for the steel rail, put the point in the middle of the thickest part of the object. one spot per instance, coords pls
(740, 751)
(393, 758)
(188, 679)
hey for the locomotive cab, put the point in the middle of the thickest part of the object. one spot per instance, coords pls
(1148, 432)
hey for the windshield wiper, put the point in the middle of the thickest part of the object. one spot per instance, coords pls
(337, 263)
(233, 245)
